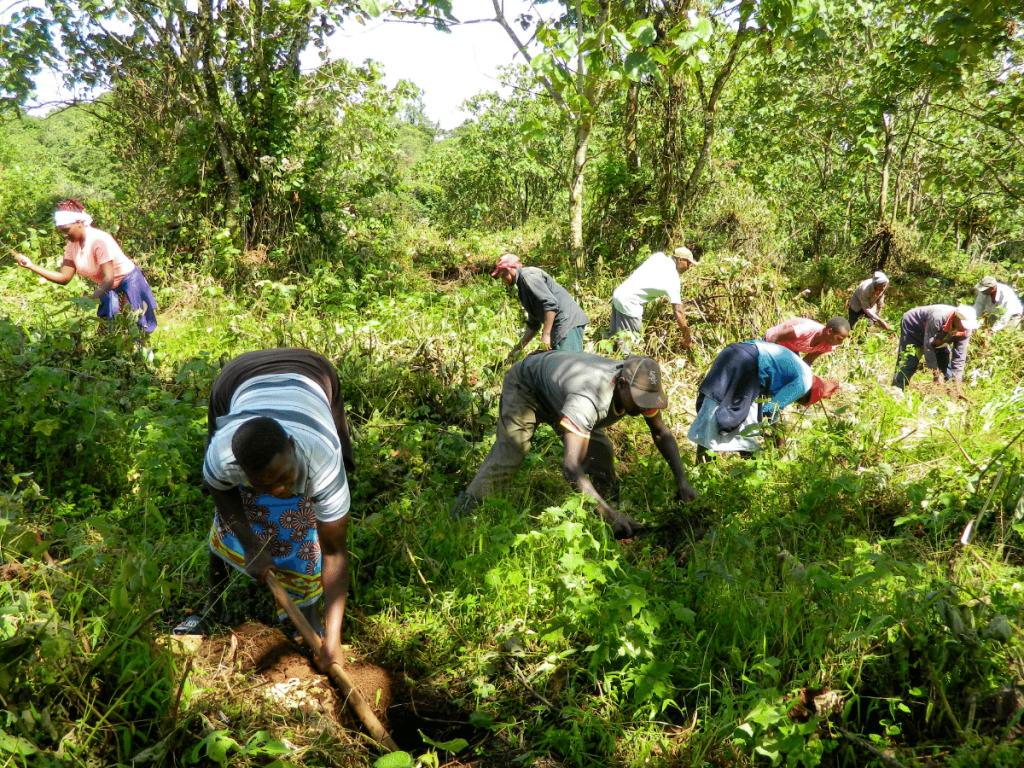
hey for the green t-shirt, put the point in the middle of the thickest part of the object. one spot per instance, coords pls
(571, 385)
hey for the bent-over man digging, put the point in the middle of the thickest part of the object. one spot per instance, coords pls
(579, 395)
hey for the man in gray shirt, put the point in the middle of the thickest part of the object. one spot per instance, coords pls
(578, 395)
(930, 331)
(549, 308)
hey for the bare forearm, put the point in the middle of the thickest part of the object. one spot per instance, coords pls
(528, 335)
(232, 514)
(49, 274)
(667, 446)
(549, 322)
(680, 318)
(103, 289)
(334, 575)
(580, 482)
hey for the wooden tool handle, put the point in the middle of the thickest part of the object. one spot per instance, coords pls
(336, 673)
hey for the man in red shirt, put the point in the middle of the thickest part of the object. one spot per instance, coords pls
(808, 337)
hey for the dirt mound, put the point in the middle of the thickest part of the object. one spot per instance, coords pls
(293, 679)
(375, 684)
(289, 680)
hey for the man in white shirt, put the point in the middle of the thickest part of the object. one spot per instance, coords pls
(657, 276)
(998, 299)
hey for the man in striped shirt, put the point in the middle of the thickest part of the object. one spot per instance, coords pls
(276, 423)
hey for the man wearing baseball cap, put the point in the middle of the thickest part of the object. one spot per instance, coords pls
(579, 395)
(867, 300)
(931, 331)
(997, 299)
(657, 276)
(549, 307)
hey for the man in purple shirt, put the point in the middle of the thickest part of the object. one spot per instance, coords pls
(930, 331)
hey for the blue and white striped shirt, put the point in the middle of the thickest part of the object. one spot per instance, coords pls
(300, 406)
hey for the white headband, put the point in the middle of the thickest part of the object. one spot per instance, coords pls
(67, 218)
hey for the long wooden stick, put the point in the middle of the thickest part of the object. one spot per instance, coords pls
(336, 673)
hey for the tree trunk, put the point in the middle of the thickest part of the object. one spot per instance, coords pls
(883, 193)
(213, 108)
(632, 110)
(710, 101)
(579, 161)
(668, 160)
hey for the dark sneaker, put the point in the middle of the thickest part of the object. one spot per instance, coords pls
(463, 505)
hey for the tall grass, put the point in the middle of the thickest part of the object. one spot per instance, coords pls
(811, 605)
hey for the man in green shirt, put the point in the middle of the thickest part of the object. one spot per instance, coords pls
(579, 395)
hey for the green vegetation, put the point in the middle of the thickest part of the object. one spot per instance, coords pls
(814, 606)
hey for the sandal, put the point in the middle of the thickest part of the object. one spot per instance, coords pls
(192, 625)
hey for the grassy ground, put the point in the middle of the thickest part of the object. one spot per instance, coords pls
(813, 606)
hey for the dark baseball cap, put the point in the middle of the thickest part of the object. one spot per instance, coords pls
(643, 374)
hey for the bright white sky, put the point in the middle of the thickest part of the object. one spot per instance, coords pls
(448, 68)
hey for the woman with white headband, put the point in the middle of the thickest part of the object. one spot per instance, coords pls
(96, 255)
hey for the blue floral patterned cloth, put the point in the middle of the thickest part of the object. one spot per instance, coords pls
(289, 527)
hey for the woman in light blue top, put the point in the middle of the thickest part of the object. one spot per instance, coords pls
(783, 375)
(727, 402)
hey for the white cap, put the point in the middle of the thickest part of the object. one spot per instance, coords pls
(880, 277)
(682, 252)
(967, 316)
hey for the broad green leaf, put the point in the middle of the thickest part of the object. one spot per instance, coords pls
(639, 63)
(219, 746)
(644, 32)
(15, 745)
(395, 760)
(45, 426)
(481, 720)
(453, 746)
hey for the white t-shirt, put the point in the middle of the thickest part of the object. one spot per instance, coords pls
(1005, 306)
(656, 277)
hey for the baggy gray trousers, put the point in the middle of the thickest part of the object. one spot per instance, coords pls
(517, 421)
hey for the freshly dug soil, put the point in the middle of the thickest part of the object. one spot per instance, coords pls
(292, 676)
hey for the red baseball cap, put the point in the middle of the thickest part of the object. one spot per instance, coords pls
(508, 261)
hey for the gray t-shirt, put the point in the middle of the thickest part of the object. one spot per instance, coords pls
(539, 294)
(573, 385)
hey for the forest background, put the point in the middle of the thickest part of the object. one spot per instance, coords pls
(815, 606)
